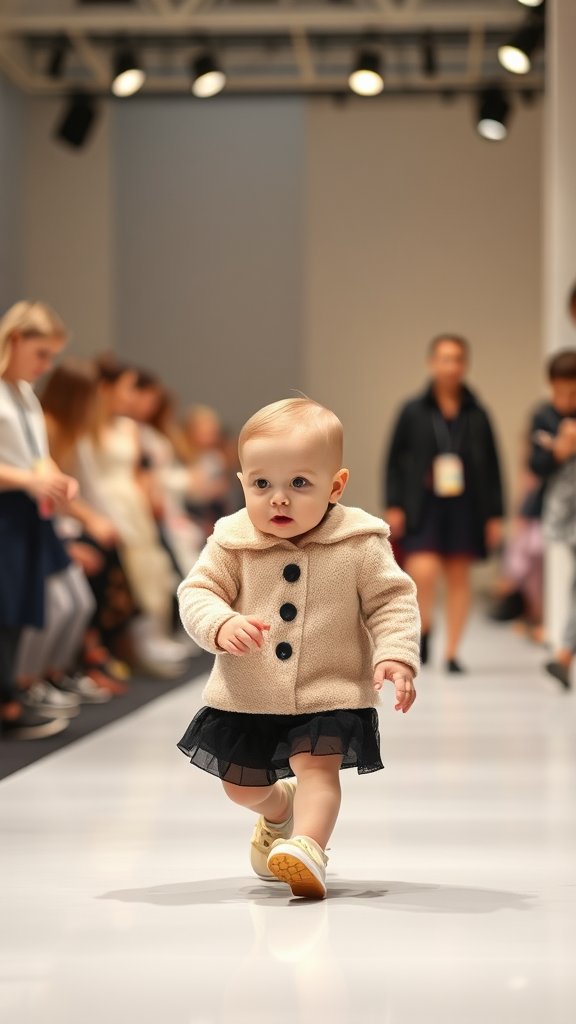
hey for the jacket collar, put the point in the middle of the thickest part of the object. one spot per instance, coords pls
(468, 396)
(237, 531)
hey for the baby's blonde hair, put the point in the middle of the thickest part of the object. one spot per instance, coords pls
(292, 413)
(31, 320)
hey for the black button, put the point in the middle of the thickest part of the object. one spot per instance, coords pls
(291, 573)
(284, 651)
(288, 612)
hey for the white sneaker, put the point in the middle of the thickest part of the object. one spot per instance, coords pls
(85, 689)
(266, 833)
(300, 862)
(47, 700)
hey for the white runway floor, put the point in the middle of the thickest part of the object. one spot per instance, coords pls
(127, 896)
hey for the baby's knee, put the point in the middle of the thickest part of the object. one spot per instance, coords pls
(246, 796)
(320, 765)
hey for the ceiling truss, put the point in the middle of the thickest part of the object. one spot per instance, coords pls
(302, 46)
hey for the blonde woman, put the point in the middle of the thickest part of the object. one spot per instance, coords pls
(32, 487)
(112, 466)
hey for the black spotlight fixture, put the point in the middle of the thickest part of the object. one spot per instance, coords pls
(208, 79)
(516, 54)
(492, 115)
(429, 56)
(78, 120)
(366, 78)
(129, 75)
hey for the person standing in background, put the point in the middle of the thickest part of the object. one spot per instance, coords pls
(553, 461)
(443, 491)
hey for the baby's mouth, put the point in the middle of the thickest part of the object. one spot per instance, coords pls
(281, 520)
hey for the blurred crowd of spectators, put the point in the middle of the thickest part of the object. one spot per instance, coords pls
(143, 484)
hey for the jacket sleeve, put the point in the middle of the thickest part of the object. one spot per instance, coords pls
(207, 594)
(393, 490)
(389, 606)
(541, 461)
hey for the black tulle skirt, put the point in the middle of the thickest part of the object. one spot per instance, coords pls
(255, 750)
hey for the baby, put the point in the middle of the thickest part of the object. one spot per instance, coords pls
(302, 602)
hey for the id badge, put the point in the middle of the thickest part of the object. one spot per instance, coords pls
(448, 475)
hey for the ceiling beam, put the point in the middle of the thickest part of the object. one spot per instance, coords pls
(13, 68)
(91, 57)
(475, 53)
(281, 19)
(304, 57)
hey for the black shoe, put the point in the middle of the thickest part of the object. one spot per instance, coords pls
(32, 726)
(507, 608)
(454, 666)
(424, 648)
(557, 669)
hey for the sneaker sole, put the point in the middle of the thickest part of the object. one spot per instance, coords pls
(38, 732)
(297, 872)
(258, 858)
(64, 713)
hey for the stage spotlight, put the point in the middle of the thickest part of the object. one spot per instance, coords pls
(366, 78)
(516, 55)
(129, 76)
(531, 3)
(492, 115)
(77, 121)
(207, 78)
(429, 58)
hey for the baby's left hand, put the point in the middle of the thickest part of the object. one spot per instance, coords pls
(403, 679)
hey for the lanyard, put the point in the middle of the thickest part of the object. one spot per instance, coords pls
(25, 424)
(446, 439)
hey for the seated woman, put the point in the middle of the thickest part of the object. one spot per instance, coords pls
(110, 468)
(69, 404)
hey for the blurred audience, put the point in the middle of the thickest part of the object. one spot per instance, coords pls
(443, 491)
(69, 401)
(39, 588)
(208, 451)
(553, 461)
(112, 458)
(520, 587)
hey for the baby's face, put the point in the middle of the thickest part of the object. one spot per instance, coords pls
(288, 483)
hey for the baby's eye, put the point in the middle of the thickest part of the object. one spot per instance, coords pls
(261, 483)
(299, 481)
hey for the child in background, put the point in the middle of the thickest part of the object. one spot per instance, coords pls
(553, 451)
(308, 614)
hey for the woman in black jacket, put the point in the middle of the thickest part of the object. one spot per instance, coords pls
(443, 490)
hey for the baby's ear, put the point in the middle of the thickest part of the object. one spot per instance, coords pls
(338, 484)
(240, 477)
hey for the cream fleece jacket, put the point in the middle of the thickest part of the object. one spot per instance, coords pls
(336, 601)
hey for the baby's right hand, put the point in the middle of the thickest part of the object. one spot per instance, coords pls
(241, 634)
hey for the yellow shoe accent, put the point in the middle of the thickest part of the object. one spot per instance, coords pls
(301, 863)
(266, 834)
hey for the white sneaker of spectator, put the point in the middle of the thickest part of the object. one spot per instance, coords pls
(85, 689)
(47, 700)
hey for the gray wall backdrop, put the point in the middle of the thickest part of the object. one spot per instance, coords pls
(209, 235)
(11, 169)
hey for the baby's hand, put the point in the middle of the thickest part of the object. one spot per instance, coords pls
(241, 634)
(402, 677)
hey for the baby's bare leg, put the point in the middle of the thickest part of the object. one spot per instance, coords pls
(271, 801)
(318, 796)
